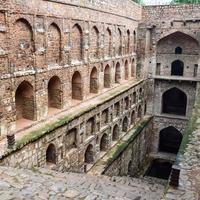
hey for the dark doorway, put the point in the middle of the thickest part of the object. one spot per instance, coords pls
(160, 169)
(174, 102)
(170, 140)
(177, 68)
(51, 154)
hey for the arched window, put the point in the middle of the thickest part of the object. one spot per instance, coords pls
(133, 117)
(178, 50)
(94, 84)
(128, 42)
(89, 154)
(24, 101)
(51, 154)
(77, 43)
(174, 102)
(170, 140)
(54, 44)
(77, 86)
(107, 78)
(115, 135)
(104, 143)
(54, 93)
(177, 68)
(117, 73)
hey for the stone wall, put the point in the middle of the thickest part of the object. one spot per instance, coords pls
(134, 159)
(86, 136)
(43, 39)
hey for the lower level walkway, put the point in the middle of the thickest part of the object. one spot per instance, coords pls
(43, 184)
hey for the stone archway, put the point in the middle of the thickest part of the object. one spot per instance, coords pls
(126, 70)
(170, 140)
(117, 73)
(94, 84)
(107, 77)
(25, 102)
(89, 154)
(77, 86)
(177, 68)
(115, 135)
(174, 101)
(104, 142)
(51, 154)
(54, 93)
(125, 124)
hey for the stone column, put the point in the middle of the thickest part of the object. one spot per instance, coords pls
(147, 51)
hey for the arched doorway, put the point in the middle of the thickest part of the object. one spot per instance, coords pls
(54, 93)
(107, 79)
(89, 154)
(117, 73)
(115, 135)
(170, 140)
(177, 68)
(104, 142)
(125, 124)
(24, 101)
(94, 85)
(77, 86)
(174, 102)
(126, 70)
(51, 154)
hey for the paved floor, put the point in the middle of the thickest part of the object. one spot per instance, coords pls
(45, 184)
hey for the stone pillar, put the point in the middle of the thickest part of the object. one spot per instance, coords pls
(147, 52)
(174, 178)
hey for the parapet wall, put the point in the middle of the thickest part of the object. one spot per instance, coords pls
(166, 13)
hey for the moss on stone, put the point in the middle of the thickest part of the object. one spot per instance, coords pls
(122, 145)
(192, 126)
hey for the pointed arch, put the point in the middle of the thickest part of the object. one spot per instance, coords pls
(89, 154)
(107, 77)
(23, 44)
(174, 101)
(94, 42)
(108, 43)
(127, 49)
(170, 140)
(51, 154)
(125, 124)
(126, 70)
(25, 101)
(77, 43)
(54, 44)
(177, 68)
(94, 82)
(119, 42)
(104, 142)
(117, 73)
(77, 86)
(115, 135)
(54, 93)
(133, 68)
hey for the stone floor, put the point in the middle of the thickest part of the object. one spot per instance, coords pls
(45, 184)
